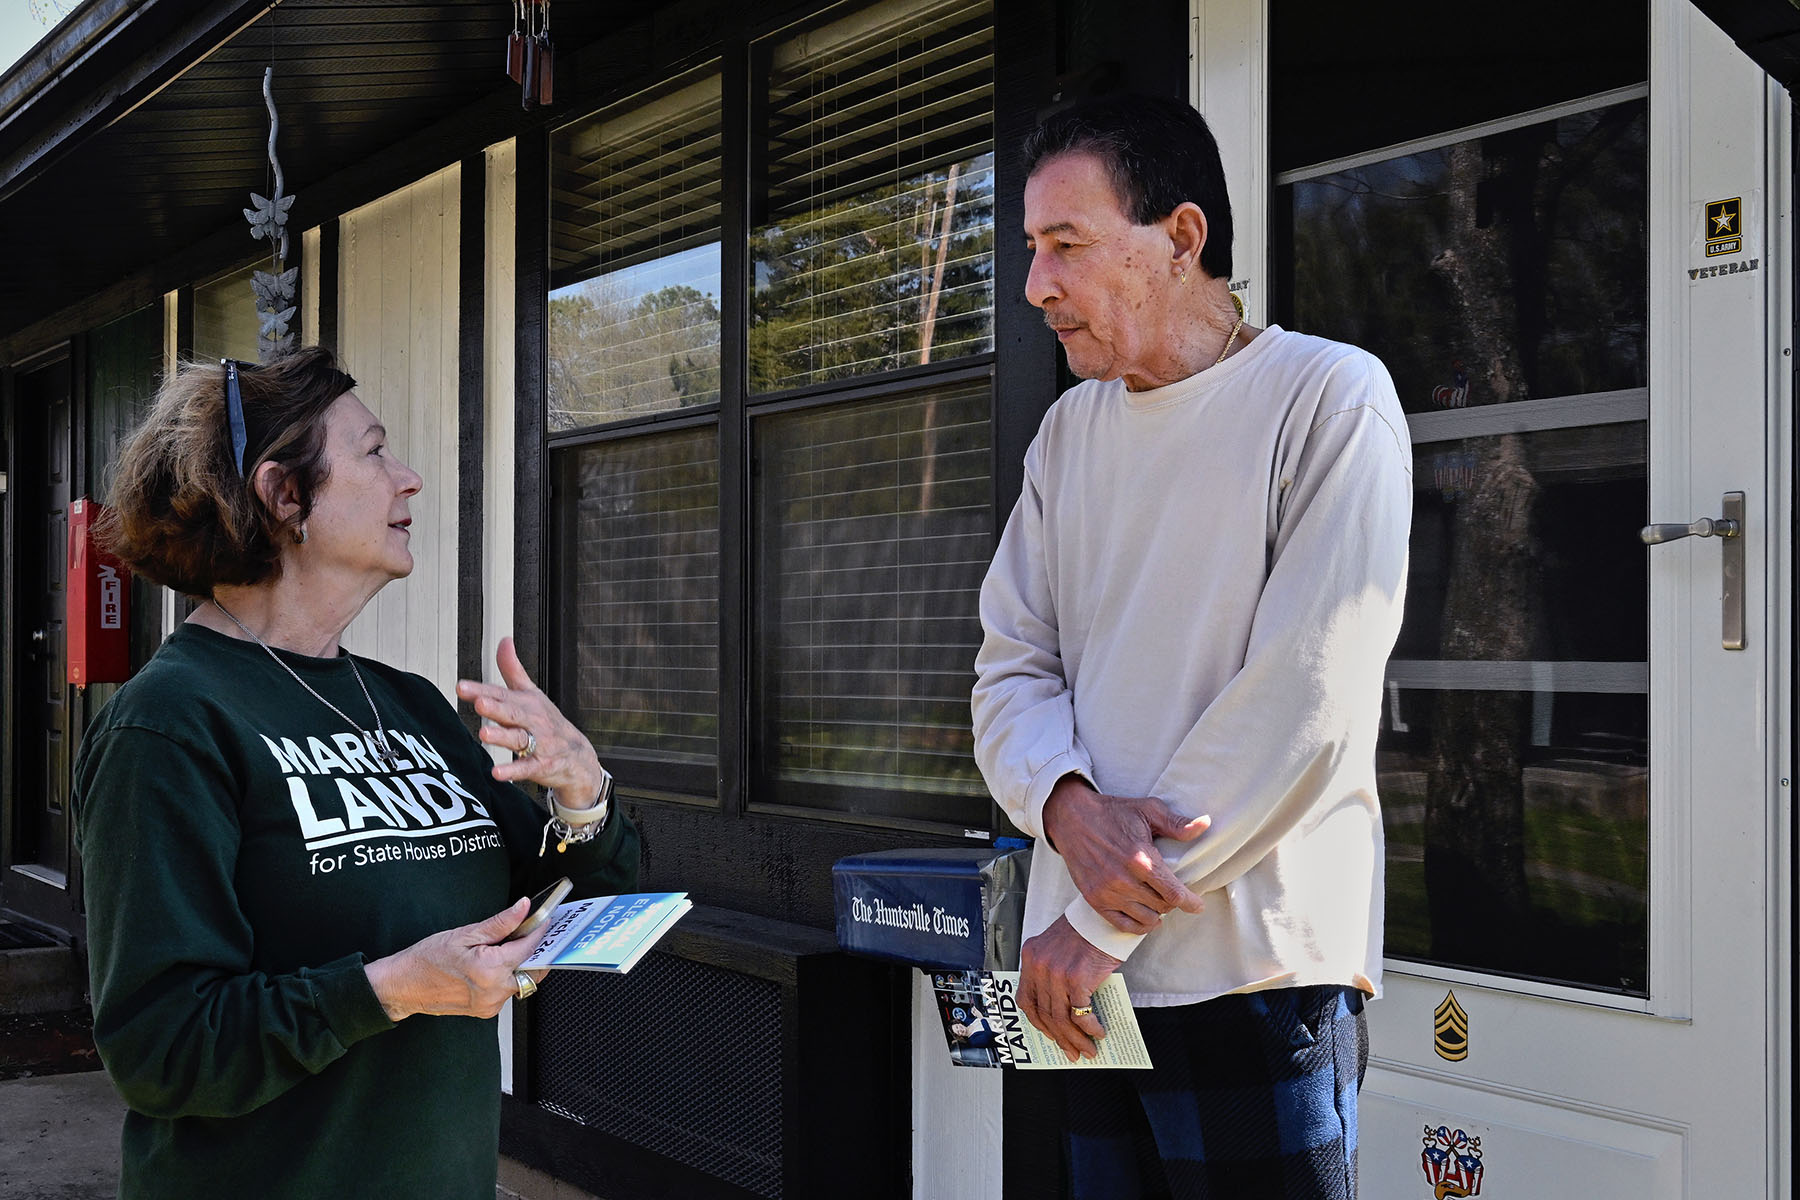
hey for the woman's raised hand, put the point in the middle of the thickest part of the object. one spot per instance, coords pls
(550, 750)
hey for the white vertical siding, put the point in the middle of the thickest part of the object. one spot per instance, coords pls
(310, 244)
(397, 334)
(1229, 65)
(956, 1112)
(498, 341)
(171, 303)
(173, 610)
(498, 356)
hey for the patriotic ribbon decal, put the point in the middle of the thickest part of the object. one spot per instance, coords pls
(1452, 1163)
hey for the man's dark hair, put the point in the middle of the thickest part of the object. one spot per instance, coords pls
(1160, 155)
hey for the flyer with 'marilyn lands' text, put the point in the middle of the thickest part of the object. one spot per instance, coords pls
(986, 1027)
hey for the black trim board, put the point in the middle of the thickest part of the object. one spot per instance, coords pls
(471, 421)
(733, 765)
(1027, 379)
(9, 580)
(531, 301)
(531, 277)
(330, 264)
(1025, 351)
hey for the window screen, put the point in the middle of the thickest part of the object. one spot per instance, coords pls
(634, 260)
(639, 594)
(874, 196)
(875, 524)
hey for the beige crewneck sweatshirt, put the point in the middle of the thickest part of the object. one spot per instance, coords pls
(1194, 599)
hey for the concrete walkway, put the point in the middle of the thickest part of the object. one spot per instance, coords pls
(62, 1143)
(62, 1137)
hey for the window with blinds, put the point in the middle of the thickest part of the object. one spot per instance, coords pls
(639, 597)
(634, 260)
(874, 530)
(873, 200)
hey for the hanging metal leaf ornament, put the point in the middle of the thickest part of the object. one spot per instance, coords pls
(268, 218)
(272, 334)
(274, 291)
(275, 324)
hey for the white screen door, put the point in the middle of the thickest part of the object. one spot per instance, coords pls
(1583, 302)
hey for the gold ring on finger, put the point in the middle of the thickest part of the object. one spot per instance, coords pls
(1081, 1010)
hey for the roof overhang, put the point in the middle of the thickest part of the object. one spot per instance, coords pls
(132, 136)
(1767, 30)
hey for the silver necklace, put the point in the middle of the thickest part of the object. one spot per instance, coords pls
(377, 740)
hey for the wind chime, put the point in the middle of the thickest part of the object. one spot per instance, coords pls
(530, 59)
(274, 288)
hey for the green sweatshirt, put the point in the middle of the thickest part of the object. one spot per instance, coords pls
(244, 857)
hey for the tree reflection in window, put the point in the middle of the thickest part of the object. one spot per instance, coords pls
(1517, 261)
(875, 241)
(634, 310)
(1509, 269)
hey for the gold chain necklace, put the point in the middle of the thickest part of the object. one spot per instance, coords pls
(1231, 338)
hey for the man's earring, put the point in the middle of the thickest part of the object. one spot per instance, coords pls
(1183, 276)
(300, 535)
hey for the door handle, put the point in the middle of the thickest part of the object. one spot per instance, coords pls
(1723, 527)
(1729, 529)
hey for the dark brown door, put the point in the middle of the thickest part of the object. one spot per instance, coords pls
(45, 735)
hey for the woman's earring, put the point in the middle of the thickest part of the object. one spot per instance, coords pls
(300, 535)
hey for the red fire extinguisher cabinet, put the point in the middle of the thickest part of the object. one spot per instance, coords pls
(99, 602)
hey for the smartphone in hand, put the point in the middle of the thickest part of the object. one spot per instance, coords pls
(542, 905)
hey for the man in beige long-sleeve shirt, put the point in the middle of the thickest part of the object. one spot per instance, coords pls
(1179, 689)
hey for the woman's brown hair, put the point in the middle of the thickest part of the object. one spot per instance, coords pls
(180, 513)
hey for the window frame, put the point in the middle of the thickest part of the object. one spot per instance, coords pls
(740, 789)
(760, 794)
(680, 782)
(867, 389)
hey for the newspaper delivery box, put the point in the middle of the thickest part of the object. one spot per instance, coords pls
(957, 907)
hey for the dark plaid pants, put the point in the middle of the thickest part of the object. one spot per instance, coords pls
(1252, 1097)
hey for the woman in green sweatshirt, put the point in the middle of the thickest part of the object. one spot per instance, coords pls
(300, 868)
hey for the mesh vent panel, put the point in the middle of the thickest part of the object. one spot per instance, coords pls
(680, 1058)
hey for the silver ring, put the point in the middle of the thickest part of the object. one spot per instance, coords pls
(530, 745)
(523, 985)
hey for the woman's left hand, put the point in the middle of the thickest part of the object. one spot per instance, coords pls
(520, 718)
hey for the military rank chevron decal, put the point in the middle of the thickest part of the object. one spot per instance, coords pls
(1451, 1029)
